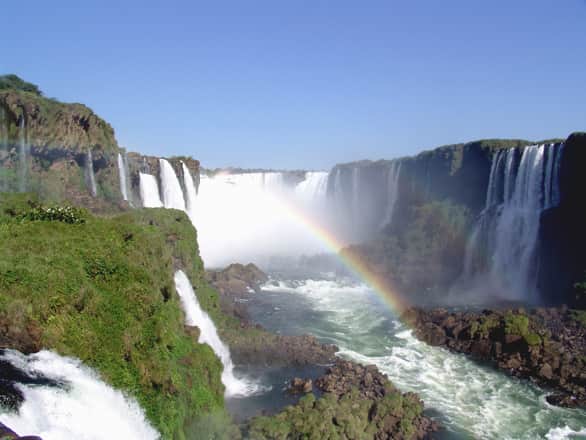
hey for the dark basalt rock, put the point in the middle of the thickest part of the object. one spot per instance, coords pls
(546, 345)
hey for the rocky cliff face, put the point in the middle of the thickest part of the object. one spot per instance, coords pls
(563, 231)
(65, 152)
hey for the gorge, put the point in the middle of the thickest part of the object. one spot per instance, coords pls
(482, 224)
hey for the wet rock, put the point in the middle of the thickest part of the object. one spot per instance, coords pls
(547, 345)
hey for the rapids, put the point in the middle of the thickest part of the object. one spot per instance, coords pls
(470, 400)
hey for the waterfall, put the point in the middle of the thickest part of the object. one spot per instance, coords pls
(256, 221)
(355, 206)
(172, 192)
(195, 316)
(3, 149)
(393, 173)
(83, 406)
(149, 191)
(22, 156)
(313, 188)
(89, 171)
(123, 177)
(521, 186)
(190, 190)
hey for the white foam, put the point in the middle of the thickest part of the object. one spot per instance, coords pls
(88, 409)
(149, 191)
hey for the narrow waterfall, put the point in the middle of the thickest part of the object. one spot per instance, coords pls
(503, 244)
(149, 191)
(392, 192)
(22, 156)
(83, 407)
(172, 192)
(195, 316)
(123, 177)
(89, 172)
(190, 190)
(3, 148)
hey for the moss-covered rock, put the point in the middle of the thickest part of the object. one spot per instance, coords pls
(358, 403)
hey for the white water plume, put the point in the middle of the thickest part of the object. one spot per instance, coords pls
(190, 192)
(123, 177)
(196, 316)
(149, 191)
(254, 216)
(171, 188)
(86, 408)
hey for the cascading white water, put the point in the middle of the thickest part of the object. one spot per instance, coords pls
(195, 316)
(123, 177)
(172, 192)
(256, 222)
(22, 156)
(149, 191)
(89, 169)
(521, 186)
(85, 408)
(190, 191)
(313, 188)
(393, 173)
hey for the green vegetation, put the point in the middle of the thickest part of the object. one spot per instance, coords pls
(50, 124)
(518, 324)
(580, 316)
(482, 327)
(349, 417)
(14, 82)
(103, 291)
(65, 214)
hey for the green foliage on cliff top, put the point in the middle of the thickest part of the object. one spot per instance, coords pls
(14, 82)
(103, 292)
(50, 123)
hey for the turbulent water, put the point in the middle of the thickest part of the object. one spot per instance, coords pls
(83, 408)
(470, 400)
(195, 316)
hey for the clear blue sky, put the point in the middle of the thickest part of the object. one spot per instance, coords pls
(306, 84)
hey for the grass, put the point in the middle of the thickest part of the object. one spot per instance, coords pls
(103, 291)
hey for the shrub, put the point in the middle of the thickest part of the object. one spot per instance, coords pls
(65, 214)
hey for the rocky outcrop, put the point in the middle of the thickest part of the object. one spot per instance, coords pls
(237, 279)
(546, 346)
(356, 402)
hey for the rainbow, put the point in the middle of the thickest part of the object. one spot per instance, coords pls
(376, 282)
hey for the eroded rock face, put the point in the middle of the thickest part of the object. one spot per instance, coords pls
(237, 279)
(546, 345)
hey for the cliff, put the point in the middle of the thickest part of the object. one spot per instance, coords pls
(65, 152)
(108, 298)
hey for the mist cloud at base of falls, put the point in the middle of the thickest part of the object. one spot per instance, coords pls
(85, 408)
(255, 218)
